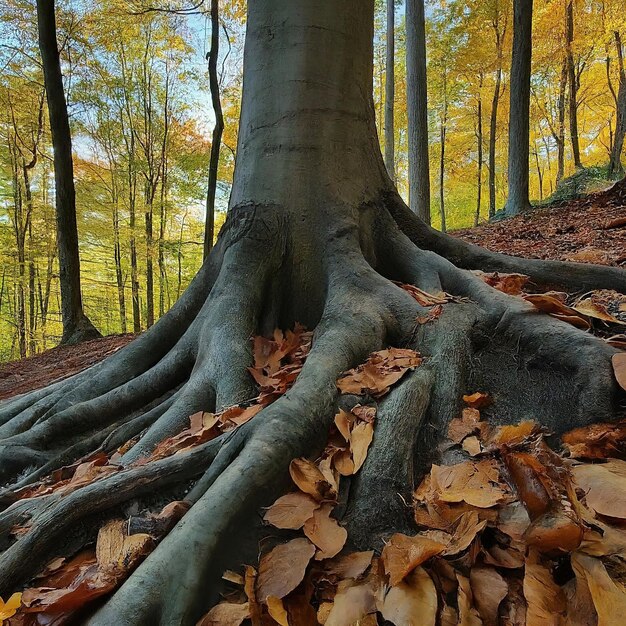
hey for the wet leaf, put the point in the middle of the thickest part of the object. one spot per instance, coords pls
(282, 569)
(413, 602)
(324, 531)
(291, 511)
(403, 554)
(226, 614)
(308, 478)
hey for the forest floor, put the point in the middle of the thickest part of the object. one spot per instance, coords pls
(591, 229)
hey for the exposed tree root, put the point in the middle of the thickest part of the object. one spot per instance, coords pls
(196, 359)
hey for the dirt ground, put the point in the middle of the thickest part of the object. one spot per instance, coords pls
(591, 230)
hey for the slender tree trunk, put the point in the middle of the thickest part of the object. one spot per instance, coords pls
(218, 129)
(519, 115)
(479, 141)
(390, 88)
(134, 271)
(493, 121)
(442, 155)
(76, 326)
(119, 275)
(615, 163)
(573, 83)
(417, 110)
(149, 214)
(560, 136)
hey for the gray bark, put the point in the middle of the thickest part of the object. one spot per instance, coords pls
(573, 83)
(390, 88)
(417, 110)
(519, 116)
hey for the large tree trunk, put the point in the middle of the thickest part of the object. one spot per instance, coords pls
(615, 163)
(417, 110)
(573, 83)
(519, 108)
(316, 233)
(76, 325)
(390, 89)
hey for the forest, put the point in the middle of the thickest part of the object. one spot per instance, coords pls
(141, 117)
(361, 266)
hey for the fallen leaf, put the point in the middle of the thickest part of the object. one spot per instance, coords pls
(361, 438)
(511, 284)
(402, 554)
(549, 304)
(604, 486)
(477, 400)
(282, 569)
(277, 611)
(325, 532)
(226, 614)
(118, 551)
(488, 590)
(609, 596)
(291, 511)
(352, 603)
(308, 478)
(468, 615)
(619, 368)
(468, 424)
(545, 599)
(9, 608)
(471, 445)
(413, 602)
(351, 565)
(597, 441)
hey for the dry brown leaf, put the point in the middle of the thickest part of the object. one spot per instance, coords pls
(226, 614)
(558, 529)
(351, 565)
(282, 569)
(545, 599)
(115, 550)
(619, 368)
(291, 511)
(467, 527)
(468, 424)
(477, 400)
(471, 445)
(547, 303)
(513, 435)
(309, 478)
(324, 531)
(277, 611)
(361, 438)
(511, 284)
(477, 483)
(353, 602)
(468, 615)
(594, 309)
(604, 486)
(344, 422)
(488, 590)
(413, 602)
(403, 554)
(609, 596)
(597, 441)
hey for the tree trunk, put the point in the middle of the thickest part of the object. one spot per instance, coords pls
(479, 143)
(417, 110)
(76, 325)
(615, 163)
(573, 83)
(443, 127)
(519, 115)
(218, 129)
(390, 89)
(308, 239)
(560, 136)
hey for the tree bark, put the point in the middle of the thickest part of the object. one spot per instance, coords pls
(519, 115)
(390, 88)
(560, 136)
(443, 128)
(417, 110)
(615, 164)
(76, 325)
(573, 83)
(479, 143)
(218, 129)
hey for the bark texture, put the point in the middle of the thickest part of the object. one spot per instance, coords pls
(519, 112)
(390, 89)
(76, 325)
(316, 233)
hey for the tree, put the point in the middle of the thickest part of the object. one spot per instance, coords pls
(312, 240)
(417, 110)
(573, 81)
(390, 61)
(615, 162)
(519, 108)
(76, 325)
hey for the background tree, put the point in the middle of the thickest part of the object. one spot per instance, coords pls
(519, 122)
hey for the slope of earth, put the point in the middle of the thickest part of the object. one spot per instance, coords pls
(591, 229)
(42, 369)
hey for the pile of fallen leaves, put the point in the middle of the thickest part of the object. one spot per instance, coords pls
(515, 534)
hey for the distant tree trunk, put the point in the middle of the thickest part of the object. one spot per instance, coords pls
(119, 275)
(162, 222)
(390, 91)
(560, 136)
(134, 271)
(615, 163)
(417, 110)
(493, 122)
(519, 115)
(218, 129)
(573, 83)
(442, 159)
(479, 141)
(539, 171)
(149, 214)
(76, 325)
